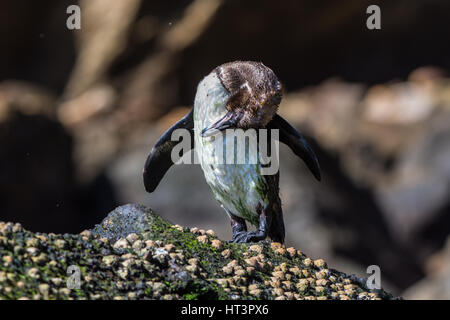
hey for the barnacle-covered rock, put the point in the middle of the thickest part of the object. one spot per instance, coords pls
(135, 254)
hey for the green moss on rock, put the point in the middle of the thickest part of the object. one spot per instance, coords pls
(135, 254)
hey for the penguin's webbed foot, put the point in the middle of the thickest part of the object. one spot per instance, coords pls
(248, 236)
(240, 233)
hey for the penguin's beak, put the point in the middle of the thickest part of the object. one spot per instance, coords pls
(228, 121)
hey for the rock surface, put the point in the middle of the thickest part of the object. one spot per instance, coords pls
(135, 254)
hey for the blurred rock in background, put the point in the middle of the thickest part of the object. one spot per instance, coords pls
(80, 110)
(436, 284)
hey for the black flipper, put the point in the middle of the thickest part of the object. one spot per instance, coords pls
(294, 140)
(159, 159)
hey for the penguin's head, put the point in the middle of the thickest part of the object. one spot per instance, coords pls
(255, 94)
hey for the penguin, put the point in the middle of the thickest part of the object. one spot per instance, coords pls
(236, 95)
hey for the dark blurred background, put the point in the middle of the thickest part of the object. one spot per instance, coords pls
(81, 109)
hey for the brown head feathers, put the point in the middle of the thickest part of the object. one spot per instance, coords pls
(255, 92)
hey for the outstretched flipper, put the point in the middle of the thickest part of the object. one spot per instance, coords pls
(159, 159)
(294, 140)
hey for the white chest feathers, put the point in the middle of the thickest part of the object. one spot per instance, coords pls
(236, 186)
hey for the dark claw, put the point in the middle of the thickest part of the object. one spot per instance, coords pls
(246, 237)
(240, 233)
